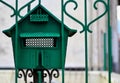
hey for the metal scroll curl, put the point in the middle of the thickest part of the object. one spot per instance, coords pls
(28, 4)
(53, 73)
(100, 16)
(17, 12)
(85, 26)
(14, 11)
(25, 74)
(76, 6)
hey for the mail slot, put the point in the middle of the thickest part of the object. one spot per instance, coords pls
(39, 42)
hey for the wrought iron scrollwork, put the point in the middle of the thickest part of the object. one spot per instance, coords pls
(24, 7)
(76, 6)
(17, 12)
(29, 73)
(14, 11)
(85, 25)
(100, 16)
(25, 74)
(53, 73)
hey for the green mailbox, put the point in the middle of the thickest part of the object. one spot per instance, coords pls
(39, 40)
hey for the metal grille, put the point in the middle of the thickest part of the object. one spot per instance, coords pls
(39, 18)
(39, 42)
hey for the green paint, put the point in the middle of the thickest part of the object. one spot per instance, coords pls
(63, 39)
(39, 77)
(16, 40)
(86, 43)
(86, 25)
(26, 29)
(14, 11)
(109, 44)
(32, 36)
(105, 51)
(26, 5)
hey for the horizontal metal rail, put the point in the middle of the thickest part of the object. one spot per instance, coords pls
(66, 69)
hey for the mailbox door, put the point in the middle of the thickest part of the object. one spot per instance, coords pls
(34, 45)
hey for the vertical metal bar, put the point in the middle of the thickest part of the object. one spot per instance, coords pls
(39, 2)
(86, 58)
(16, 75)
(86, 46)
(28, 9)
(104, 51)
(39, 76)
(16, 40)
(62, 33)
(109, 44)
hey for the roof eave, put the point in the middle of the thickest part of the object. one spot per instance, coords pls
(7, 32)
(72, 32)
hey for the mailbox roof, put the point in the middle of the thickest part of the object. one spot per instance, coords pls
(8, 32)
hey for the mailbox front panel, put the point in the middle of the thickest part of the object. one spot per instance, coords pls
(28, 57)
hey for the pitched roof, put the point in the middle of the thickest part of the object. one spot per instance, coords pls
(8, 31)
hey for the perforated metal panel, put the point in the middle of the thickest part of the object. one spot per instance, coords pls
(39, 18)
(39, 42)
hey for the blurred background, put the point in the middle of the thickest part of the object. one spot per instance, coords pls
(75, 59)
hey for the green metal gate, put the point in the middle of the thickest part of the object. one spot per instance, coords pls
(85, 29)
